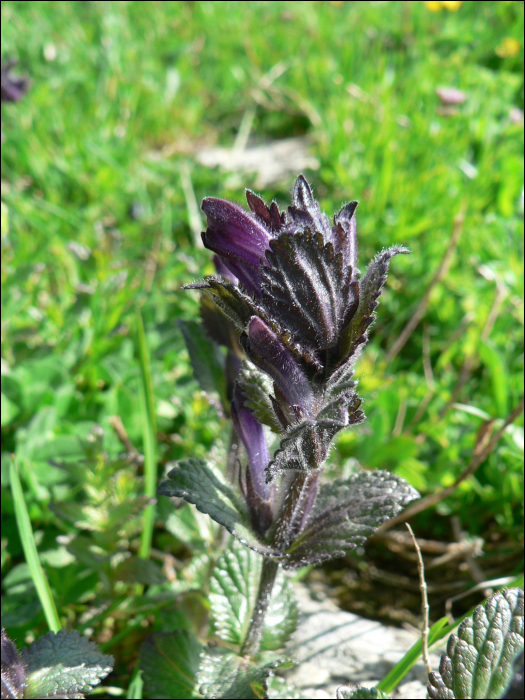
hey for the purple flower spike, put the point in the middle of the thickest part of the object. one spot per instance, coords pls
(238, 238)
(251, 433)
(267, 351)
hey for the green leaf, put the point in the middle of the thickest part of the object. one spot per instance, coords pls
(190, 527)
(233, 588)
(224, 674)
(233, 591)
(281, 617)
(479, 660)
(9, 410)
(64, 665)
(497, 368)
(359, 692)
(205, 357)
(169, 664)
(194, 481)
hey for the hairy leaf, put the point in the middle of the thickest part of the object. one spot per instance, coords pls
(305, 447)
(206, 359)
(13, 671)
(370, 287)
(515, 691)
(63, 665)
(281, 617)
(479, 660)
(233, 588)
(308, 289)
(257, 386)
(233, 592)
(224, 674)
(170, 663)
(238, 306)
(198, 484)
(346, 513)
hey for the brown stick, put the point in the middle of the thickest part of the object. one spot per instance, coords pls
(440, 273)
(486, 442)
(118, 426)
(425, 608)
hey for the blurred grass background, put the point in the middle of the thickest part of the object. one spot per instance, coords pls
(101, 174)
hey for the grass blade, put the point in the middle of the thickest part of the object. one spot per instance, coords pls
(394, 677)
(149, 432)
(438, 631)
(30, 551)
(135, 686)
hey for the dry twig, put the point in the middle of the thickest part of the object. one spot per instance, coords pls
(425, 609)
(118, 426)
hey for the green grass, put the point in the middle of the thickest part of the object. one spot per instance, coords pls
(123, 94)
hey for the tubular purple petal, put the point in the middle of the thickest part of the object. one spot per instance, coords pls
(266, 350)
(223, 271)
(238, 238)
(251, 433)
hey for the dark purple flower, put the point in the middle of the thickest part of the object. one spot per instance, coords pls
(302, 310)
(251, 433)
(298, 274)
(238, 239)
(266, 350)
(13, 87)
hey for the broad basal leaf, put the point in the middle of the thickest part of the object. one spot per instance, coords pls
(198, 484)
(169, 664)
(479, 660)
(224, 674)
(233, 588)
(346, 513)
(63, 665)
(233, 591)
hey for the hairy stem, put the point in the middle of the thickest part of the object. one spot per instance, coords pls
(253, 638)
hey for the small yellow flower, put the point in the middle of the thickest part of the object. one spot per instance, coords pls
(437, 5)
(452, 6)
(509, 47)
